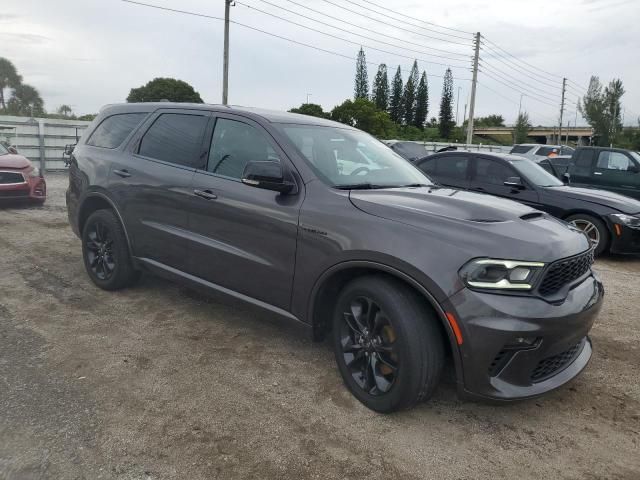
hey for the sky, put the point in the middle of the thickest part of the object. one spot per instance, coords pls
(88, 53)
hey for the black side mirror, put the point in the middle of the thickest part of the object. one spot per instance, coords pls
(633, 169)
(566, 178)
(267, 175)
(13, 150)
(514, 182)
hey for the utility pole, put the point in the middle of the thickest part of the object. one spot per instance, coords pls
(520, 105)
(458, 105)
(474, 83)
(225, 62)
(564, 87)
(308, 95)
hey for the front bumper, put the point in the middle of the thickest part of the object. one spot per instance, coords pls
(624, 240)
(517, 347)
(34, 189)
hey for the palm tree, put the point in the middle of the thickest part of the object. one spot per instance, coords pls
(9, 78)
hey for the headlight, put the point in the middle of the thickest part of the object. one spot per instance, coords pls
(35, 172)
(627, 220)
(488, 273)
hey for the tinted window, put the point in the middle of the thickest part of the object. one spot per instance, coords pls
(492, 172)
(175, 138)
(546, 151)
(452, 167)
(235, 144)
(534, 173)
(583, 163)
(613, 161)
(114, 129)
(547, 166)
(520, 149)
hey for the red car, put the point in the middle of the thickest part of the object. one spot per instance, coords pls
(19, 179)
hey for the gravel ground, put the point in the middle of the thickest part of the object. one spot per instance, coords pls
(160, 382)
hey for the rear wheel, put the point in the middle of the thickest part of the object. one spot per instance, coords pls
(594, 228)
(106, 252)
(388, 345)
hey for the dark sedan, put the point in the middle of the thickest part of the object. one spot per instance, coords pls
(611, 221)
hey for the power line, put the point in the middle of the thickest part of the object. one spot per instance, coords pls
(387, 24)
(419, 20)
(212, 17)
(496, 70)
(527, 94)
(339, 29)
(369, 9)
(377, 32)
(515, 102)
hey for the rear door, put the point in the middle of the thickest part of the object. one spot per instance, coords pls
(618, 172)
(581, 170)
(243, 238)
(488, 176)
(153, 183)
(449, 170)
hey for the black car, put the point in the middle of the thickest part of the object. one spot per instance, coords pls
(323, 224)
(411, 151)
(611, 221)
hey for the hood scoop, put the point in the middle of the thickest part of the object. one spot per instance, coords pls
(532, 215)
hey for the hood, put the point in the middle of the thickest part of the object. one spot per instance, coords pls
(17, 162)
(600, 197)
(481, 225)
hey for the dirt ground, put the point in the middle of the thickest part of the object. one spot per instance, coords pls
(160, 382)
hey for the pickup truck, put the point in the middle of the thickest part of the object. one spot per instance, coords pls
(613, 169)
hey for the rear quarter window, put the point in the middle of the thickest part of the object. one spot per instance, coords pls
(113, 130)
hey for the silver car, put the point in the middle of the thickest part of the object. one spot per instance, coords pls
(536, 151)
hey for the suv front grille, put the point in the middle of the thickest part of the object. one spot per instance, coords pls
(549, 366)
(7, 178)
(565, 271)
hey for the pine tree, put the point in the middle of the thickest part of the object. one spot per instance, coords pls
(521, 129)
(422, 102)
(446, 122)
(380, 90)
(361, 89)
(409, 95)
(395, 102)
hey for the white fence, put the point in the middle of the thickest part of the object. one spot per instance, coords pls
(41, 140)
(431, 147)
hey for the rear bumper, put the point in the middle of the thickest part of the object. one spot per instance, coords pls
(34, 188)
(520, 347)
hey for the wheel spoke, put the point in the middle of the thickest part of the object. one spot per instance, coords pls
(381, 359)
(357, 313)
(381, 383)
(352, 323)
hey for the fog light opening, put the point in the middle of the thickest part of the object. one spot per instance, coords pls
(523, 343)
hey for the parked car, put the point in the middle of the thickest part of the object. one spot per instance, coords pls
(400, 273)
(556, 166)
(411, 151)
(613, 169)
(19, 179)
(611, 221)
(537, 152)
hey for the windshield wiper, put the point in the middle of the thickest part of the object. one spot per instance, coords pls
(359, 186)
(412, 185)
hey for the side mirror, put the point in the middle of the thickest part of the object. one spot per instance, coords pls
(68, 149)
(13, 150)
(267, 175)
(566, 178)
(514, 182)
(633, 169)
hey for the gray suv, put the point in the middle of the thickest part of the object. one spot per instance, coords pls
(323, 224)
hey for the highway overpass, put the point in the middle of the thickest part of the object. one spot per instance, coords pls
(578, 135)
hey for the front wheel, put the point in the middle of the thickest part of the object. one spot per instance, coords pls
(388, 345)
(106, 252)
(594, 229)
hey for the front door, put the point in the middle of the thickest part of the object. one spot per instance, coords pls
(243, 238)
(617, 172)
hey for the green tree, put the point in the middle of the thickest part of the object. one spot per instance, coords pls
(165, 89)
(380, 90)
(601, 108)
(65, 110)
(311, 109)
(25, 101)
(395, 102)
(363, 114)
(88, 116)
(422, 102)
(445, 120)
(489, 121)
(361, 88)
(409, 95)
(521, 128)
(9, 78)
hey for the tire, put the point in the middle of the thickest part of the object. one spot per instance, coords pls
(106, 253)
(406, 335)
(585, 222)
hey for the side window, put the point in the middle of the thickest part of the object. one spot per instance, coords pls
(582, 165)
(114, 129)
(613, 161)
(546, 164)
(235, 144)
(429, 166)
(491, 172)
(453, 167)
(175, 138)
(520, 149)
(546, 151)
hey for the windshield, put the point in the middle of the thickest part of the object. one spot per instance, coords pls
(636, 156)
(3, 149)
(535, 174)
(345, 158)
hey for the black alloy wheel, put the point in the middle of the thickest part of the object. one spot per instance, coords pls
(99, 244)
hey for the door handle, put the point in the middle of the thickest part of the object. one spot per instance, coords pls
(206, 194)
(597, 173)
(122, 173)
